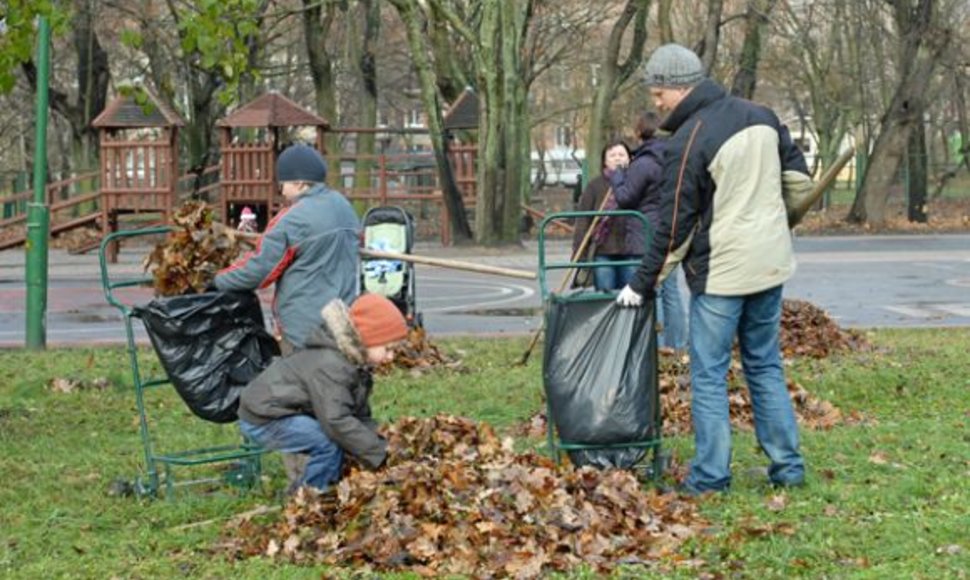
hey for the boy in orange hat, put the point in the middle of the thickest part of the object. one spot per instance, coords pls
(315, 401)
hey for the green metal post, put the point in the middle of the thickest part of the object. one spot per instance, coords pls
(38, 214)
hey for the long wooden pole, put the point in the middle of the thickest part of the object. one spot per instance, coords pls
(802, 206)
(569, 274)
(251, 239)
(452, 264)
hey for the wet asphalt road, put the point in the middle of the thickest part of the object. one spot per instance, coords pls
(876, 281)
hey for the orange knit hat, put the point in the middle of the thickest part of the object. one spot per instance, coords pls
(377, 320)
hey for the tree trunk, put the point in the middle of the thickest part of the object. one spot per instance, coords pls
(452, 77)
(864, 131)
(205, 111)
(917, 173)
(707, 47)
(665, 28)
(406, 9)
(248, 88)
(317, 23)
(516, 135)
(755, 23)
(92, 76)
(491, 161)
(613, 75)
(504, 166)
(922, 48)
(367, 69)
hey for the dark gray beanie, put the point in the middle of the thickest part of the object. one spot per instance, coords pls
(301, 163)
(672, 65)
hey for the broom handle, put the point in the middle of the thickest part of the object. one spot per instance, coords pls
(570, 274)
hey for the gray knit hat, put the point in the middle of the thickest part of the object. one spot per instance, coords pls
(672, 65)
(301, 163)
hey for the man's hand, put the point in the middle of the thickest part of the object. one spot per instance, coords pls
(629, 298)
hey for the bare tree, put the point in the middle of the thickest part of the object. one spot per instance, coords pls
(318, 21)
(755, 25)
(413, 19)
(810, 56)
(614, 73)
(366, 58)
(664, 24)
(922, 40)
(706, 48)
(92, 76)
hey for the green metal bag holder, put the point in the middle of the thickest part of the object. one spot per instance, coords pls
(556, 445)
(244, 459)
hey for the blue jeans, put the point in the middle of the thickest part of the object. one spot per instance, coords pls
(301, 434)
(672, 313)
(755, 319)
(606, 278)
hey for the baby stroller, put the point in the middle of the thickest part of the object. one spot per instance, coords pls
(390, 229)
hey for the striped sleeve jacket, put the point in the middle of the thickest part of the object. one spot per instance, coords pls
(722, 212)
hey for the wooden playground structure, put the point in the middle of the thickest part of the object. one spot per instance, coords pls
(139, 179)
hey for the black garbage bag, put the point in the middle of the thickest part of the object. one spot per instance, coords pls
(600, 378)
(210, 345)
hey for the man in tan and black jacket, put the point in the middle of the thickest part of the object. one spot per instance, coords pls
(723, 216)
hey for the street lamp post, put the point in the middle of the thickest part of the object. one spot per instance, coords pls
(38, 214)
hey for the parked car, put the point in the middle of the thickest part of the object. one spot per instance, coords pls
(561, 165)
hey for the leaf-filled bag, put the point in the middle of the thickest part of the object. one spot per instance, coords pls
(600, 377)
(210, 345)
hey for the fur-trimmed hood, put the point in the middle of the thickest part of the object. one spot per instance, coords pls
(328, 379)
(337, 330)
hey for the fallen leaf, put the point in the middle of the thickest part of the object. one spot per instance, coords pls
(878, 458)
(776, 503)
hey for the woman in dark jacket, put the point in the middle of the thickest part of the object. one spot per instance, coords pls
(613, 240)
(638, 187)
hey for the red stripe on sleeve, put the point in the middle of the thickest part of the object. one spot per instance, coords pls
(280, 267)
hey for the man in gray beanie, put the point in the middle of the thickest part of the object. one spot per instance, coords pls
(309, 250)
(722, 214)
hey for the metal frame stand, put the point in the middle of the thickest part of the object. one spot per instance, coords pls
(556, 445)
(245, 463)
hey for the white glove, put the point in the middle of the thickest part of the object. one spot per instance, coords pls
(628, 297)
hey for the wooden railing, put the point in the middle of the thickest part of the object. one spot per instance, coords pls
(72, 202)
(407, 180)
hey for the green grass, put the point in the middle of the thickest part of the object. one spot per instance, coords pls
(958, 188)
(885, 499)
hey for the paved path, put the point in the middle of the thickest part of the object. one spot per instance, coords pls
(876, 281)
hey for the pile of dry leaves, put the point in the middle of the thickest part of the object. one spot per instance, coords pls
(945, 215)
(455, 500)
(189, 258)
(674, 376)
(418, 354)
(77, 240)
(674, 379)
(807, 331)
